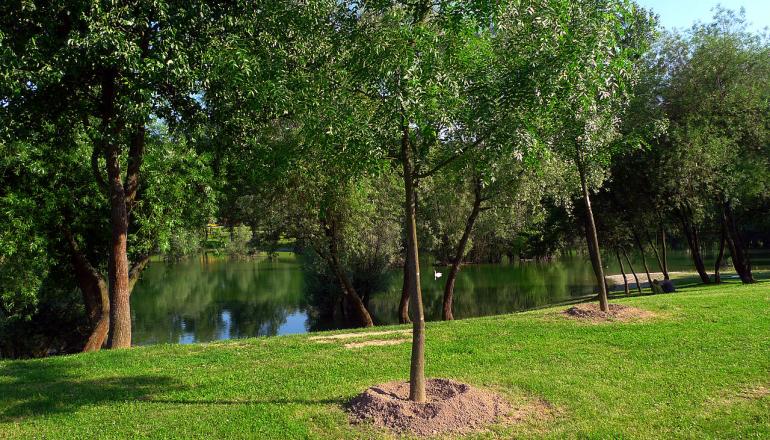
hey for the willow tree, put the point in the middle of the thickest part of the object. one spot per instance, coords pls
(715, 87)
(99, 72)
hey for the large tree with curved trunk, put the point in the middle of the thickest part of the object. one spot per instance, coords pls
(98, 73)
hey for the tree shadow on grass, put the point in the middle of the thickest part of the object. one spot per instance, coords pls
(36, 389)
(339, 401)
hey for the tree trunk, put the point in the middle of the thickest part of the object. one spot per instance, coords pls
(662, 266)
(403, 305)
(664, 251)
(117, 265)
(449, 287)
(623, 271)
(694, 244)
(633, 272)
(738, 252)
(417, 367)
(644, 258)
(721, 254)
(593, 242)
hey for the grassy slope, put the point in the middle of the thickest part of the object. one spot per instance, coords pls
(679, 375)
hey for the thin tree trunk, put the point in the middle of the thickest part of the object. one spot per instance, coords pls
(417, 367)
(403, 305)
(721, 254)
(664, 251)
(623, 271)
(657, 256)
(694, 243)
(593, 242)
(460, 252)
(738, 252)
(633, 272)
(644, 258)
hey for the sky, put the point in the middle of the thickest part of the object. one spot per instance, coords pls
(683, 13)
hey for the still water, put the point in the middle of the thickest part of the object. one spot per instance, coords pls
(198, 301)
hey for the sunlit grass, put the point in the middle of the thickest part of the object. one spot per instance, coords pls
(681, 374)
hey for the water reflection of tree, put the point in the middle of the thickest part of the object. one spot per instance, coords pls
(327, 306)
(494, 289)
(194, 301)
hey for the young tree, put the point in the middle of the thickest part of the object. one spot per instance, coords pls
(603, 43)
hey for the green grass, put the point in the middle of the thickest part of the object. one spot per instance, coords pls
(685, 374)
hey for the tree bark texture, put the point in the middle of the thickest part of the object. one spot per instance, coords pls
(417, 367)
(593, 242)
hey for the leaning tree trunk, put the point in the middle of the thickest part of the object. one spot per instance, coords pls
(694, 244)
(633, 272)
(593, 241)
(662, 266)
(644, 258)
(720, 255)
(449, 287)
(623, 272)
(738, 252)
(417, 367)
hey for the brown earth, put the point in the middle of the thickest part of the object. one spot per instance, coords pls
(452, 407)
(329, 338)
(617, 312)
(376, 342)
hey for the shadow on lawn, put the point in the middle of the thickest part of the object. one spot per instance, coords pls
(339, 401)
(32, 389)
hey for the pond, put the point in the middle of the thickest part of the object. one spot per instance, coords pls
(205, 300)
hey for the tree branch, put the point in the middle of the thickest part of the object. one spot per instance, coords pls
(136, 271)
(135, 156)
(96, 171)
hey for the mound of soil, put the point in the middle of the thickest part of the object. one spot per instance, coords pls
(451, 407)
(617, 312)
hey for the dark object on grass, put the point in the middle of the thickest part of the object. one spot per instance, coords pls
(655, 287)
(667, 286)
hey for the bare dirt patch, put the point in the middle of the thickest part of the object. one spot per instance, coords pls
(452, 407)
(592, 313)
(330, 338)
(754, 393)
(376, 342)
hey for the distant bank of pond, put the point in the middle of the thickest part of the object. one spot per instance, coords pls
(211, 299)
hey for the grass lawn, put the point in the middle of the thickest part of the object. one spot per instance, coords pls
(700, 369)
